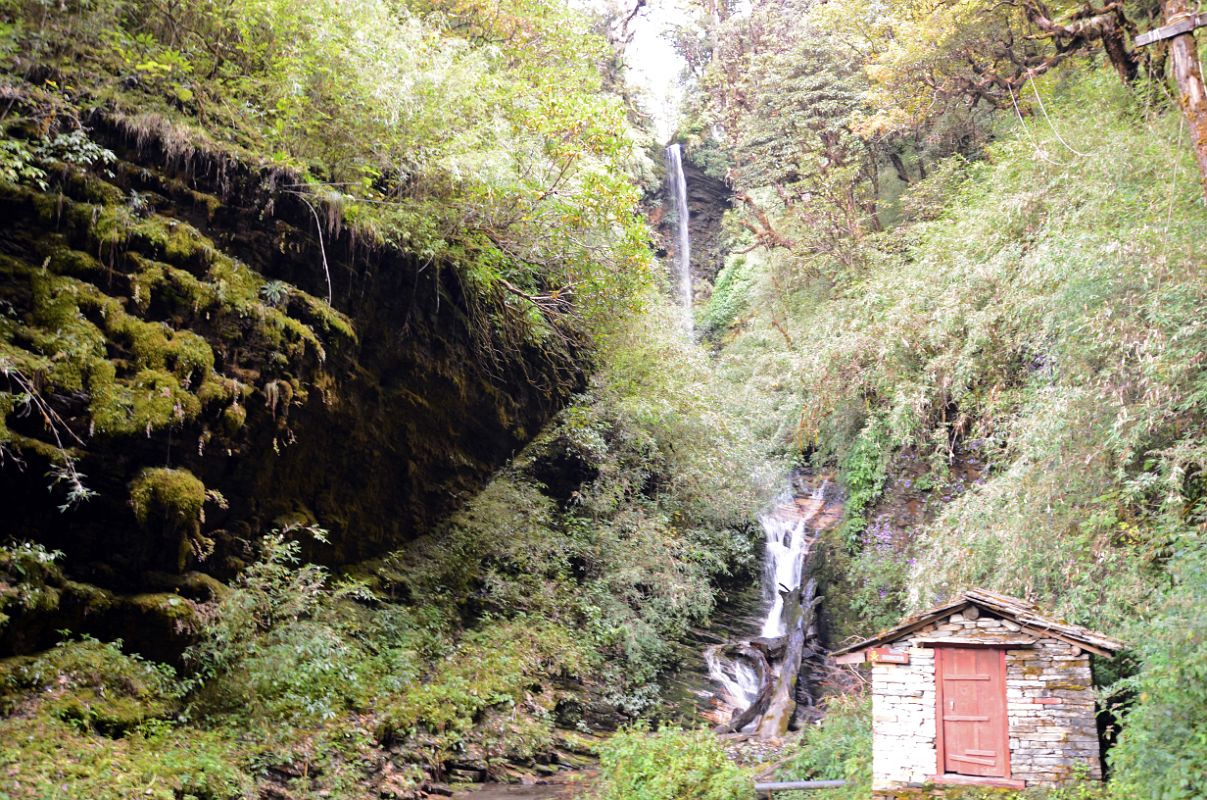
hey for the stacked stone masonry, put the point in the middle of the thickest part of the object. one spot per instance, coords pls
(1049, 706)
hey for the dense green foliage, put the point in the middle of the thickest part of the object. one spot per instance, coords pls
(840, 748)
(554, 598)
(980, 308)
(986, 318)
(357, 101)
(489, 139)
(620, 516)
(1042, 323)
(669, 764)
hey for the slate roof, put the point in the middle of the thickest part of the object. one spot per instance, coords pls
(1024, 614)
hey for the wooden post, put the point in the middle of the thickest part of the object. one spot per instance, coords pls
(1180, 23)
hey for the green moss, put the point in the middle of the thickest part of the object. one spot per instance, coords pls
(190, 356)
(169, 502)
(162, 493)
(60, 331)
(95, 722)
(171, 240)
(143, 375)
(177, 288)
(234, 417)
(8, 404)
(65, 260)
(327, 317)
(92, 599)
(29, 579)
(110, 226)
(91, 686)
(235, 285)
(156, 346)
(165, 606)
(151, 400)
(216, 389)
(91, 188)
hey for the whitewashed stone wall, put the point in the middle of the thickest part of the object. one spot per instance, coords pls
(1049, 706)
(903, 719)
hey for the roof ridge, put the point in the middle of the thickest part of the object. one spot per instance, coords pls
(1024, 612)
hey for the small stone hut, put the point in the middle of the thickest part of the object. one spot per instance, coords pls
(981, 691)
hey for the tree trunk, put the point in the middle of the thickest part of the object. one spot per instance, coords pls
(798, 618)
(742, 719)
(774, 721)
(1184, 55)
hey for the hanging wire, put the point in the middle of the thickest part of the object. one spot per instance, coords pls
(1039, 151)
(1059, 138)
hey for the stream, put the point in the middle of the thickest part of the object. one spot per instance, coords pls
(790, 527)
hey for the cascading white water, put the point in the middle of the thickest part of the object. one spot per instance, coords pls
(787, 535)
(683, 248)
(738, 680)
(782, 565)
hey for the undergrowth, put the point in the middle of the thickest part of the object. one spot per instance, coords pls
(669, 764)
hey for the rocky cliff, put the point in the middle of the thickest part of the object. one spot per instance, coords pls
(172, 369)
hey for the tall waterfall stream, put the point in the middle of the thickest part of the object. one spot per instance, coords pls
(677, 184)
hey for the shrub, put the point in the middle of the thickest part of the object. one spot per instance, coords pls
(28, 575)
(669, 764)
(839, 748)
(1163, 744)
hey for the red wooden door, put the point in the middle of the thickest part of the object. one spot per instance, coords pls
(973, 738)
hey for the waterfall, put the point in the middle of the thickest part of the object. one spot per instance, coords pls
(788, 527)
(737, 679)
(782, 565)
(677, 184)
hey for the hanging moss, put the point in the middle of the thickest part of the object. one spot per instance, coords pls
(177, 288)
(233, 418)
(152, 400)
(328, 318)
(65, 260)
(169, 502)
(216, 390)
(162, 494)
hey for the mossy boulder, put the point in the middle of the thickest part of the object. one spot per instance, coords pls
(91, 685)
(164, 494)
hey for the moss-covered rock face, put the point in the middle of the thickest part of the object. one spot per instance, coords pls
(164, 332)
